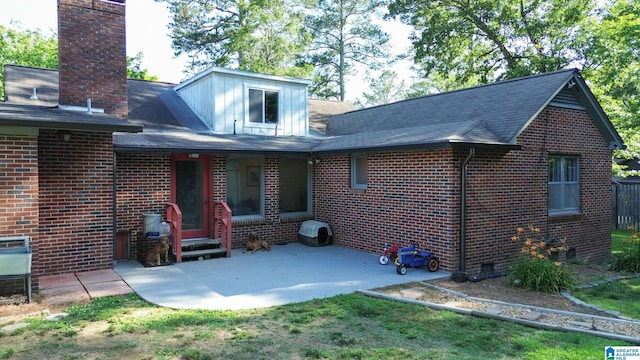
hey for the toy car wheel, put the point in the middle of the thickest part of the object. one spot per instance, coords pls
(383, 260)
(402, 270)
(433, 264)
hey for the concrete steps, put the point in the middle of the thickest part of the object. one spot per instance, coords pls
(202, 248)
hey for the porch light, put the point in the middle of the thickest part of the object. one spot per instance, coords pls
(64, 135)
(194, 155)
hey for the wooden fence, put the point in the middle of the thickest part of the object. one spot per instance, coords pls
(626, 204)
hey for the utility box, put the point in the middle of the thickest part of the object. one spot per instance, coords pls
(315, 233)
(15, 260)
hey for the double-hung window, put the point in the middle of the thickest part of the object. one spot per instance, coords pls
(263, 106)
(564, 185)
(359, 171)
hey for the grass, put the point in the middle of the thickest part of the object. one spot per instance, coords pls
(618, 295)
(617, 237)
(343, 327)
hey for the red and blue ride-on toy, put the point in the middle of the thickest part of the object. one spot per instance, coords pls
(388, 253)
(413, 257)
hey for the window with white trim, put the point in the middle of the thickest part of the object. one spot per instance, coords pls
(263, 106)
(359, 171)
(564, 185)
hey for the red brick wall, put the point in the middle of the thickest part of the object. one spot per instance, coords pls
(589, 232)
(19, 200)
(411, 196)
(76, 198)
(19, 185)
(415, 196)
(509, 191)
(92, 54)
(144, 186)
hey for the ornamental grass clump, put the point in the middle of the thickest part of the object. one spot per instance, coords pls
(533, 270)
(628, 259)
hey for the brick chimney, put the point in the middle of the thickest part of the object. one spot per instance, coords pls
(92, 55)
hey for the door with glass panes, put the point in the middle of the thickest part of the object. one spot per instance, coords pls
(190, 190)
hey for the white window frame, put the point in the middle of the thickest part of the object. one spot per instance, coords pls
(566, 183)
(264, 89)
(356, 160)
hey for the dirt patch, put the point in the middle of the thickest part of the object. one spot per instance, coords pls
(499, 289)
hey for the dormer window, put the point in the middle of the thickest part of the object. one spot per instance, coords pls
(263, 106)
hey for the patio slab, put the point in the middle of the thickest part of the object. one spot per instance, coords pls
(97, 276)
(58, 281)
(287, 274)
(81, 287)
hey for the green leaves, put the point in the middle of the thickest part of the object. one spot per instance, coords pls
(494, 39)
(260, 36)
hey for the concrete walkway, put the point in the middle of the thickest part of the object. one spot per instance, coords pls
(81, 287)
(287, 274)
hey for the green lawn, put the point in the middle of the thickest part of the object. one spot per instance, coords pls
(342, 327)
(621, 296)
(617, 237)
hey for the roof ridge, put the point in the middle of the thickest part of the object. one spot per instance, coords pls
(496, 83)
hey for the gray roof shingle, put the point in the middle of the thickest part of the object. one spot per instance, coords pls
(488, 115)
(502, 109)
(492, 115)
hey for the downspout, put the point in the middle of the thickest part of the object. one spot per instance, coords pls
(461, 274)
(114, 209)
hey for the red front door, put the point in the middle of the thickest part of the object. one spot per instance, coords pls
(191, 190)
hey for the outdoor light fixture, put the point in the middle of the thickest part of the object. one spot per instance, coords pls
(194, 155)
(313, 160)
(64, 135)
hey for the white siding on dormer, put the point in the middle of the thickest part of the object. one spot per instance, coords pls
(221, 99)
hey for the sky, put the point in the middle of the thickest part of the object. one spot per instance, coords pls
(146, 26)
(147, 32)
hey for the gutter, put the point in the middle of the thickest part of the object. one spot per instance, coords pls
(461, 274)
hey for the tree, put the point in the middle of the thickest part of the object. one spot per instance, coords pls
(614, 70)
(31, 48)
(26, 47)
(483, 41)
(135, 70)
(384, 89)
(253, 35)
(343, 36)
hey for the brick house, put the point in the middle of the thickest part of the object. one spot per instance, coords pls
(456, 172)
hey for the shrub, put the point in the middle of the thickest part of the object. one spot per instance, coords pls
(629, 258)
(533, 270)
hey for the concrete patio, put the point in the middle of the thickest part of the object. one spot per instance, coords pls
(287, 274)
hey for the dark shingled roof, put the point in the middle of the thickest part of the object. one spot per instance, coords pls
(22, 111)
(320, 110)
(490, 115)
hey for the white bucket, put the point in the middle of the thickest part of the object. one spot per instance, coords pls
(151, 223)
(164, 228)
